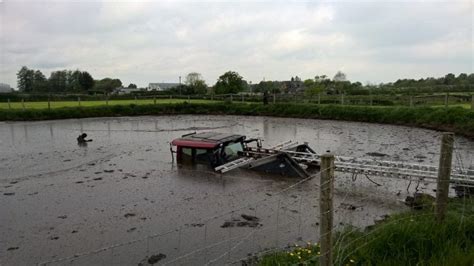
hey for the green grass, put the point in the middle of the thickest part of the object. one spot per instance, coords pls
(458, 120)
(61, 104)
(88, 103)
(411, 238)
(462, 105)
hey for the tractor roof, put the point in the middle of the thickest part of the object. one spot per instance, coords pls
(206, 140)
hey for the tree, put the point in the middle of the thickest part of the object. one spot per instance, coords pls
(25, 78)
(267, 86)
(192, 78)
(229, 82)
(195, 83)
(340, 76)
(449, 79)
(308, 83)
(313, 89)
(107, 85)
(320, 78)
(72, 80)
(132, 86)
(86, 81)
(40, 83)
(58, 81)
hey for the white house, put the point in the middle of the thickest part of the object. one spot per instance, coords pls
(162, 86)
(124, 90)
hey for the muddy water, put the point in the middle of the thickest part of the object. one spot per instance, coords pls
(59, 199)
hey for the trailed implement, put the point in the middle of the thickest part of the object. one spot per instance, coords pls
(225, 152)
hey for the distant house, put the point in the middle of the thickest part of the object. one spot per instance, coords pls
(124, 90)
(292, 86)
(5, 88)
(162, 86)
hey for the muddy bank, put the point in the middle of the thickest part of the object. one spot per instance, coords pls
(60, 199)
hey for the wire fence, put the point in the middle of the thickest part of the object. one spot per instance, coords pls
(250, 230)
(56, 101)
(271, 222)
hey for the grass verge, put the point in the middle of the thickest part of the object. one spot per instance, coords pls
(411, 238)
(458, 120)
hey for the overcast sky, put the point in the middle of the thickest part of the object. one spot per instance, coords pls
(143, 42)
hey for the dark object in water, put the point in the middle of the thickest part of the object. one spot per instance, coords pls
(153, 259)
(376, 154)
(249, 221)
(250, 218)
(156, 258)
(419, 201)
(82, 139)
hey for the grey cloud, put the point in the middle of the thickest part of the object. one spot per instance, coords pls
(143, 42)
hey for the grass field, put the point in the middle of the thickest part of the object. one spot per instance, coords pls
(411, 238)
(465, 105)
(60, 104)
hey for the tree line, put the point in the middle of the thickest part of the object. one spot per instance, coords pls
(63, 81)
(69, 81)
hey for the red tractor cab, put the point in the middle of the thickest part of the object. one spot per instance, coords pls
(225, 152)
(209, 148)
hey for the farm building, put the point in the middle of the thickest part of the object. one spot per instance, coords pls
(162, 86)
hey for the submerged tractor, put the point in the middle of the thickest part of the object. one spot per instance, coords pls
(224, 152)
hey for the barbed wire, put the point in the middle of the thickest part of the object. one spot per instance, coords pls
(264, 203)
(178, 228)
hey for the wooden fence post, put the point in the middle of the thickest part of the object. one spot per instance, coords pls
(49, 102)
(79, 101)
(9, 105)
(444, 174)
(326, 208)
(23, 103)
(274, 98)
(231, 98)
(154, 99)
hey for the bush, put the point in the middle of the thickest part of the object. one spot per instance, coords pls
(458, 120)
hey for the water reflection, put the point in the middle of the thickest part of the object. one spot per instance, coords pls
(25, 129)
